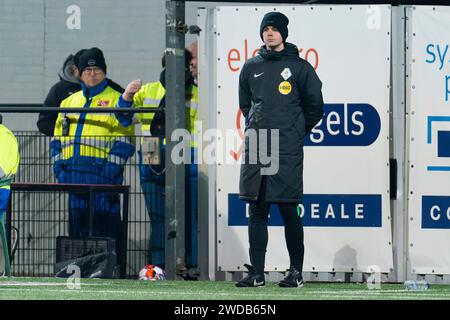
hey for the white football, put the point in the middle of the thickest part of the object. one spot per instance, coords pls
(152, 273)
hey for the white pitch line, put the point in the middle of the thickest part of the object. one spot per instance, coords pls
(379, 292)
(41, 284)
(134, 291)
(392, 297)
(297, 294)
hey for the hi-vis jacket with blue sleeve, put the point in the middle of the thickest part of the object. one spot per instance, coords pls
(150, 96)
(9, 162)
(91, 147)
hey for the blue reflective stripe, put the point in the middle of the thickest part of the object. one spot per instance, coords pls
(55, 147)
(93, 91)
(117, 160)
(79, 130)
(57, 157)
(91, 142)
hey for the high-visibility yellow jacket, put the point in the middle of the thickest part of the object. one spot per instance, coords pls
(95, 141)
(9, 162)
(150, 95)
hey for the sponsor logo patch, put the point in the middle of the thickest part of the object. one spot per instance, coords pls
(285, 87)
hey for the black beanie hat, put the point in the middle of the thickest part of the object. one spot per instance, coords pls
(187, 75)
(76, 57)
(92, 58)
(277, 20)
(187, 59)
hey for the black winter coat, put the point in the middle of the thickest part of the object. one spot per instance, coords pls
(277, 90)
(59, 92)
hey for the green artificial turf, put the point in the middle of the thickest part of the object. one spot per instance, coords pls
(99, 289)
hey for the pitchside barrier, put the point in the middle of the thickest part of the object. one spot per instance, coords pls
(377, 167)
(428, 136)
(39, 227)
(41, 215)
(376, 191)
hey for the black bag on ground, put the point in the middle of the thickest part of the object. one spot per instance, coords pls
(92, 258)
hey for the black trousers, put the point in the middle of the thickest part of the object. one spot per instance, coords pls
(258, 232)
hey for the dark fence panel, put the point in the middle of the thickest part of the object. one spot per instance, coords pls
(40, 217)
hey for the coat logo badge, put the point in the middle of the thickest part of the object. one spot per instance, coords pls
(286, 73)
(102, 103)
(285, 87)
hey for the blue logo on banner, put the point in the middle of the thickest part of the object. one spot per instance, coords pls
(435, 212)
(352, 124)
(319, 210)
(443, 141)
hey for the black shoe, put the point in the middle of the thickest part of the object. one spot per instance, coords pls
(252, 280)
(293, 279)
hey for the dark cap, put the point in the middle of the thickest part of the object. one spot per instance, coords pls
(277, 20)
(92, 58)
(76, 57)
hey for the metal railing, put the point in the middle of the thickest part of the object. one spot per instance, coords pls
(48, 229)
(31, 211)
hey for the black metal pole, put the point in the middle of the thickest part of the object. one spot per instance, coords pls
(91, 210)
(8, 224)
(175, 119)
(123, 247)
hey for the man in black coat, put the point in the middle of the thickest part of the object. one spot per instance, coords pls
(280, 97)
(69, 83)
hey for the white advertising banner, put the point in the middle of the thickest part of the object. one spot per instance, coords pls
(429, 141)
(345, 209)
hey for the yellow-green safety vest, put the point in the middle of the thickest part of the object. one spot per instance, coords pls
(150, 95)
(9, 157)
(100, 130)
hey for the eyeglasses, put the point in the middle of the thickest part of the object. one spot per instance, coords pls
(94, 70)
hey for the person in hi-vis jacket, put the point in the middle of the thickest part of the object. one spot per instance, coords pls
(152, 177)
(92, 148)
(9, 162)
